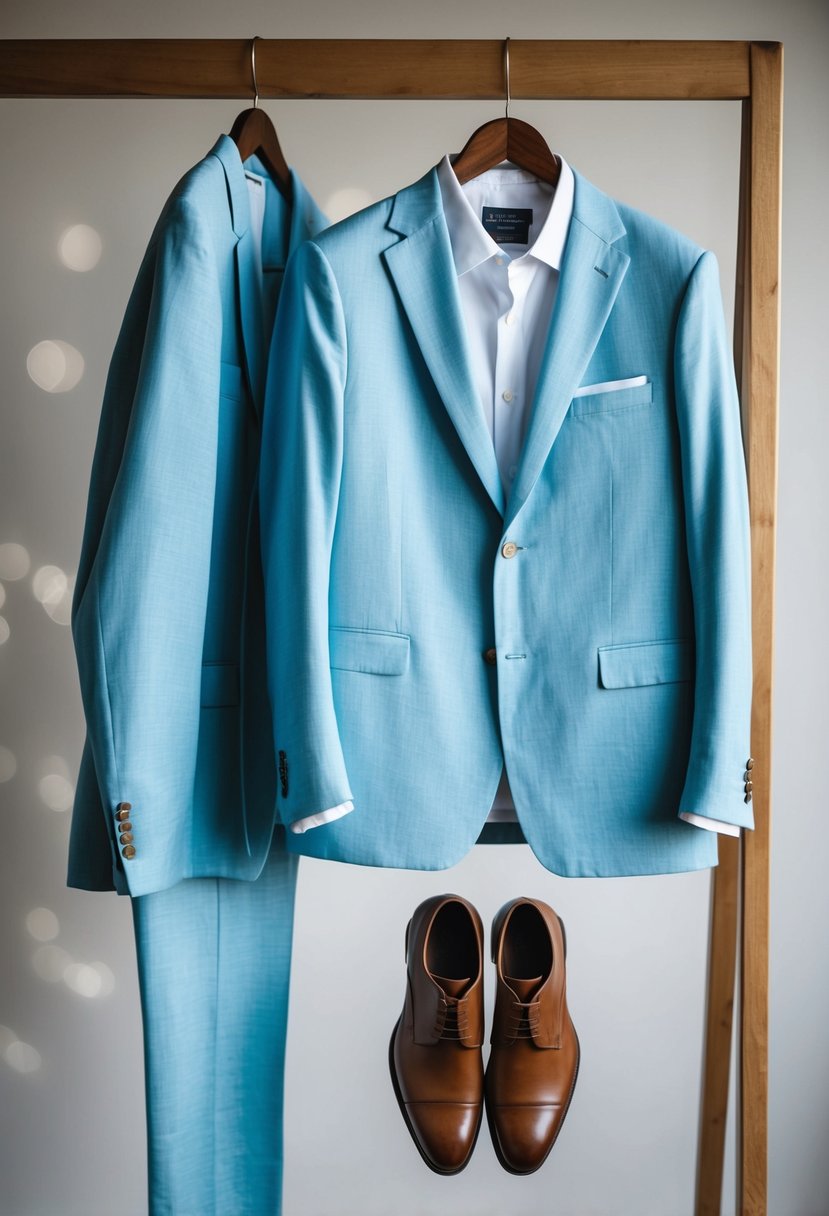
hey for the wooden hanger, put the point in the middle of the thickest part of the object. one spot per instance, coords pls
(253, 131)
(507, 139)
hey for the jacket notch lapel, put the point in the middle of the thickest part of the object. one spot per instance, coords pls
(423, 270)
(591, 274)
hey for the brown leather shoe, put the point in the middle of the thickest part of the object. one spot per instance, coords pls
(534, 1060)
(435, 1050)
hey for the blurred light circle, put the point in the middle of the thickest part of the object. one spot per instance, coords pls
(107, 978)
(49, 584)
(8, 764)
(50, 962)
(14, 561)
(4, 630)
(55, 764)
(54, 365)
(83, 979)
(60, 609)
(7, 1036)
(80, 247)
(346, 201)
(2, 595)
(56, 791)
(22, 1056)
(42, 924)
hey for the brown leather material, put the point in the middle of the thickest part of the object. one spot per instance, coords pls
(435, 1055)
(534, 1056)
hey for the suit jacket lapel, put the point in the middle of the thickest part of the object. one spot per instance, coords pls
(305, 220)
(423, 270)
(589, 280)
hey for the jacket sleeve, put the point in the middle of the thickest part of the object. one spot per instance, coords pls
(719, 553)
(299, 486)
(139, 605)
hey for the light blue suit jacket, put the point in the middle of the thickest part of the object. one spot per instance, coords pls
(167, 616)
(621, 692)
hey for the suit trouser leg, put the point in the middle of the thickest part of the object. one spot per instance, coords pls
(214, 960)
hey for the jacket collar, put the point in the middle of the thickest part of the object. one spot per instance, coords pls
(423, 268)
(300, 220)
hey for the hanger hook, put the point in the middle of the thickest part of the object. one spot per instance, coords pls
(253, 70)
(506, 75)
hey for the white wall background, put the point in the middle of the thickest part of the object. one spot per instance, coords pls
(71, 1081)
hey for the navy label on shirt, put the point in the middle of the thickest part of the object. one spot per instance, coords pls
(508, 227)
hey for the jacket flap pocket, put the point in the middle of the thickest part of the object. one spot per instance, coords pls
(646, 663)
(614, 399)
(219, 683)
(230, 381)
(375, 651)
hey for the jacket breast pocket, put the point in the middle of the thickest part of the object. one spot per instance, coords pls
(612, 400)
(637, 663)
(377, 652)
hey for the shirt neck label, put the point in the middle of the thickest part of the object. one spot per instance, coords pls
(508, 226)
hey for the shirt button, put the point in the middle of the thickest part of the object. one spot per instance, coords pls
(499, 261)
(509, 549)
(509, 319)
(508, 394)
(491, 656)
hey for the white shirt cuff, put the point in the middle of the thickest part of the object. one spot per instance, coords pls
(315, 821)
(713, 825)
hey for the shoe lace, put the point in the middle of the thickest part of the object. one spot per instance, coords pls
(452, 1019)
(524, 1019)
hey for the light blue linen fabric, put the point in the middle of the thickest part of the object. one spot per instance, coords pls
(621, 693)
(167, 615)
(213, 968)
(168, 625)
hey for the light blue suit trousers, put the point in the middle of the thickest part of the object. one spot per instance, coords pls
(214, 958)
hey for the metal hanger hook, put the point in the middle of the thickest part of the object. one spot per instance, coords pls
(253, 71)
(506, 75)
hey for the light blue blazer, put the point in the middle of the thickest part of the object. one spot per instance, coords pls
(167, 616)
(619, 609)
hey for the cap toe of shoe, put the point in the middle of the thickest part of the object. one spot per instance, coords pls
(445, 1131)
(525, 1134)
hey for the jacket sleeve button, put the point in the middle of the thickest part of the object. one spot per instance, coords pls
(128, 850)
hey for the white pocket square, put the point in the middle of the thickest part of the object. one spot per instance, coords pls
(609, 386)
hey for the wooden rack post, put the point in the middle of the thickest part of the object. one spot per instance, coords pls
(748, 72)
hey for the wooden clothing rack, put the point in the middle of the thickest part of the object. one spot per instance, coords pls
(748, 72)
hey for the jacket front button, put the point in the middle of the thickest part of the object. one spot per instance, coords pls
(128, 850)
(747, 798)
(750, 763)
(491, 656)
(509, 549)
(124, 809)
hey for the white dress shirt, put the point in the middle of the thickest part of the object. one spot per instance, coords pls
(507, 291)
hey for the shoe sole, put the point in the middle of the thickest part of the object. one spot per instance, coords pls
(438, 1169)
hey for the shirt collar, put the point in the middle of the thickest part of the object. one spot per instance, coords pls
(472, 244)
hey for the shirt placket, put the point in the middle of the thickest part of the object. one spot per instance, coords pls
(510, 368)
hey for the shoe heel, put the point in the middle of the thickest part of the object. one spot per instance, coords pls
(563, 934)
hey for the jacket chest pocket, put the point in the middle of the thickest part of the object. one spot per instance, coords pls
(612, 401)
